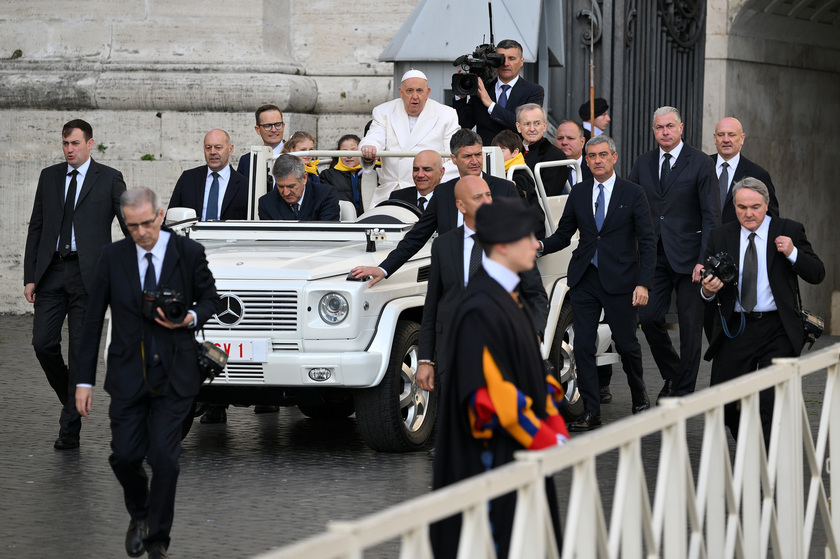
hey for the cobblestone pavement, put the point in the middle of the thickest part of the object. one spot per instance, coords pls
(258, 482)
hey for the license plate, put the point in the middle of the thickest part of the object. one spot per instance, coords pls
(243, 350)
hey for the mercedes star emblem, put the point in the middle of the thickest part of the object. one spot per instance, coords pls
(232, 310)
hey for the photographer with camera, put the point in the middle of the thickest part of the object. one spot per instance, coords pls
(491, 107)
(758, 299)
(159, 288)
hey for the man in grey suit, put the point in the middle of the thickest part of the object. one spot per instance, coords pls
(680, 185)
(75, 205)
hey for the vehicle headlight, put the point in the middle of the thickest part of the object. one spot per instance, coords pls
(333, 308)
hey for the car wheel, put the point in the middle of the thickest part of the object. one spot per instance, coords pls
(563, 358)
(337, 405)
(397, 415)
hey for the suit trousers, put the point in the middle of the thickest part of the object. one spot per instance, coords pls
(149, 426)
(60, 293)
(681, 368)
(588, 299)
(762, 340)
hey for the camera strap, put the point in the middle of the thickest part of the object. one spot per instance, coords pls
(723, 324)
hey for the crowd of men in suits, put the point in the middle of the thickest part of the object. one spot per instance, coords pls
(642, 239)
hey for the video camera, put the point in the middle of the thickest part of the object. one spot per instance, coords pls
(480, 65)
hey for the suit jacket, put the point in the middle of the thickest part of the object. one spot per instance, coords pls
(686, 210)
(189, 193)
(97, 204)
(781, 274)
(441, 215)
(406, 195)
(626, 243)
(472, 112)
(320, 203)
(342, 181)
(446, 289)
(554, 178)
(244, 169)
(118, 285)
(390, 131)
(747, 168)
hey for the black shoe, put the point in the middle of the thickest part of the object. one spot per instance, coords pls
(137, 530)
(266, 409)
(586, 422)
(667, 390)
(431, 454)
(640, 401)
(157, 550)
(66, 441)
(605, 394)
(201, 409)
(215, 414)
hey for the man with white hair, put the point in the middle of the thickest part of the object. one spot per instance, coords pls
(411, 123)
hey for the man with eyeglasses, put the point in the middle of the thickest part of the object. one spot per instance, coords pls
(531, 122)
(152, 370)
(684, 202)
(75, 204)
(270, 127)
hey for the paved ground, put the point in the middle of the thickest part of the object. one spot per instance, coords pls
(258, 482)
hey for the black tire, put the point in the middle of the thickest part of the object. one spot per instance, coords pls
(336, 406)
(563, 358)
(397, 416)
(188, 421)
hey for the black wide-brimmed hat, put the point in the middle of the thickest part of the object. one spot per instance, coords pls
(601, 106)
(505, 220)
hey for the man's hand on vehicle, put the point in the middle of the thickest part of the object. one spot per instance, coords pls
(376, 274)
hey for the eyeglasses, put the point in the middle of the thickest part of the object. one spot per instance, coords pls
(534, 124)
(144, 224)
(268, 126)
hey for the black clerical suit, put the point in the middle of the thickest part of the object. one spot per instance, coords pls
(626, 258)
(189, 193)
(553, 178)
(745, 168)
(684, 209)
(472, 112)
(409, 195)
(441, 215)
(766, 335)
(63, 285)
(320, 203)
(149, 400)
(446, 289)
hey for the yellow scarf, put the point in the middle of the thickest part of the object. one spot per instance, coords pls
(519, 159)
(312, 167)
(340, 166)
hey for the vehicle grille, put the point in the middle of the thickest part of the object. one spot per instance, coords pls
(241, 373)
(423, 273)
(261, 310)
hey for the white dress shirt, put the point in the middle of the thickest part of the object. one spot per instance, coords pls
(80, 180)
(675, 153)
(733, 164)
(506, 277)
(469, 242)
(499, 90)
(224, 179)
(608, 188)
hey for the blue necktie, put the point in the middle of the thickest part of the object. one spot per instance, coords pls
(213, 200)
(503, 97)
(599, 216)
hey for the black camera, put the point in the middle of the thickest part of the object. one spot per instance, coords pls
(212, 360)
(480, 65)
(169, 301)
(721, 266)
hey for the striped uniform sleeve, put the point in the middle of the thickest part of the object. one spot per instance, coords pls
(500, 405)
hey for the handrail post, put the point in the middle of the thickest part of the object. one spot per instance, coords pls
(789, 475)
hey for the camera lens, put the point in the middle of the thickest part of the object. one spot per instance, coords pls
(175, 311)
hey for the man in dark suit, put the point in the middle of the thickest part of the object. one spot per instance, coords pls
(493, 109)
(214, 191)
(570, 140)
(270, 127)
(456, 255)
(441, 214)
(680, 187)
(295, 199)
(427, 170)
(531, 122)
(75, 205)
(772, 254)
(152, 368)
(731, 167)
(610, 270)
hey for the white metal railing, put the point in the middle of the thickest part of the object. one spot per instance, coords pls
(758, 505)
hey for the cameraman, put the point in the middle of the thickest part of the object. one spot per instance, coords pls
(152, 368)
(771, 253)
(493, 108)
